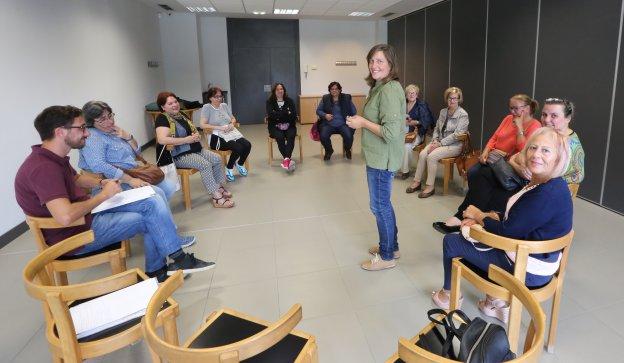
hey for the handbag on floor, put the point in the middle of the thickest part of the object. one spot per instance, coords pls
(170, 171)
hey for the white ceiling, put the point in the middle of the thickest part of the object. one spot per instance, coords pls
(319, 9)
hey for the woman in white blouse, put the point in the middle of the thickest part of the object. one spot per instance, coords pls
(217, 118)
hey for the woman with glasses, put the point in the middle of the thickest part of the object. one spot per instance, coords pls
(110, 149)
(173, 128)
(418, 119)
(484, 190)
(453, 122)
(217, 118)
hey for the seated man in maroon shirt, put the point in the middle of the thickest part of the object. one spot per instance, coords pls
(46, 185)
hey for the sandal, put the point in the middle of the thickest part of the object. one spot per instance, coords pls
(225, 193)
(222, 202)
(444, 302)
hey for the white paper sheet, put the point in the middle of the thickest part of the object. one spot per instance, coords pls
(112, 309)
(125, 197)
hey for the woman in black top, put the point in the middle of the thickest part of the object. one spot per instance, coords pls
(173, 128)
(281, 119)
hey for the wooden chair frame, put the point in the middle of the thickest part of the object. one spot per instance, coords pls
(230, 353)
(60, 331)
(552, 290)
(411, 353)
(574, 187)
(447, 163)
(59, 268)
(271, 140)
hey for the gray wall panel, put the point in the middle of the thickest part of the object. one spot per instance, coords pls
(396, 38)
(578, 63)
(510, 57)
(437, 54)
(415, 49)
(468, 58)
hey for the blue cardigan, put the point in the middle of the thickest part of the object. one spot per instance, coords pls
(543, 213)
(422, 113)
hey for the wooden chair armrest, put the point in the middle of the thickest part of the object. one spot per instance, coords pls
(50, 222)
(509, 244)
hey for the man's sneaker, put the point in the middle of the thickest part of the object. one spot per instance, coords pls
(285, 163)
(377, 264)
(242, 171)
(495, 308)
(229, 175)
(160, 274)
(187, 241)
(348, 154)
(328, 154)
(291, 165)
(189, 264)
(375, 251)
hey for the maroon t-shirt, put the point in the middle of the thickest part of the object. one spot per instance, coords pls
(45, 176)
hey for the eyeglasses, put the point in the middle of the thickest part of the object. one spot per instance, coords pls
(218, 97)
(82, 127)
(516, 108)
(453, 98)
(110, 116)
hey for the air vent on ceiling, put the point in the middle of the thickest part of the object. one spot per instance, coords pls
(387, 15)
(166, 7)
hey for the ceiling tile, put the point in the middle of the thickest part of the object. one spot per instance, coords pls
(229, 6)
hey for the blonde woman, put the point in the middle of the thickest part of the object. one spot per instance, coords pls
(418, 119)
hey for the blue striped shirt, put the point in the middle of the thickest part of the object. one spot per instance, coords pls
(106, 154)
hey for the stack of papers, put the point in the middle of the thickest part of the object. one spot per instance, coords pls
(125, 197)
(112, 309)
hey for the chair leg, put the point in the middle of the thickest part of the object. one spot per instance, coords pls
(455, 286)
(554, 320)
(126, 244)
(115, 262)
(61, 278)
(186, 190)
(300, 150)
(170, 330)
(155, 357)
(528, 342)
(448, 170)
(270, 144)
(513, 326)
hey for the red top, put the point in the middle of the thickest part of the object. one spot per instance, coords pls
(45, 176)
(505, 137)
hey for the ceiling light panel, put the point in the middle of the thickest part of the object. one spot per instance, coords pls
(229, 6)
(286, 11)
(258, 5)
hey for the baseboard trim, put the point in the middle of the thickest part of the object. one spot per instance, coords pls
(13, 233)
(18, 230)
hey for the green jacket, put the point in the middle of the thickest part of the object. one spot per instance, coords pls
(385, 106)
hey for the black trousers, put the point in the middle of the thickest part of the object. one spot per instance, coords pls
(285, 140)
(240, 149)
(484, 191)
(345, 131)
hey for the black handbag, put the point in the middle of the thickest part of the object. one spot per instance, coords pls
(506, 175)
(479, 341)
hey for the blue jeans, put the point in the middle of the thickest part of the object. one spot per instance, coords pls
(150, 217)
(379, 191)
(167, 187)
(455, 245)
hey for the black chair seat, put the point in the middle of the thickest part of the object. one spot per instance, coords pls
(228, 329)
(483, 274)
(114, 246)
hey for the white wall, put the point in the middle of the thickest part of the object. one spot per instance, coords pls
(213, 51)
(322, 42)
(69, 52)
(178, 33)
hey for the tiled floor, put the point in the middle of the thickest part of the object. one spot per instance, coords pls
(300, 238)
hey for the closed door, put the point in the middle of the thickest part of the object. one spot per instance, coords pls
(251, 68)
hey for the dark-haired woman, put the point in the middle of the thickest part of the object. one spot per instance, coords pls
(484, 191)
(217, 118)
(383, 135)
(281, 120)
(173, 128)
(333, 111)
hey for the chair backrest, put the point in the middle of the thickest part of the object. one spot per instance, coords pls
(40, 285)
(36, 224)
(574, 187)
(410, 353)
(234, 352)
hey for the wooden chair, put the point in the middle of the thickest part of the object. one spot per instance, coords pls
(185, 181)
(409, 352)
(114, 254)
(574, 187)
(271, 140)
(448, 163)
(522, 249)
(230, 336)
(60, 332)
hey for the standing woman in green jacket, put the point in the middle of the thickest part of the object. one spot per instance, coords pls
(383, 136)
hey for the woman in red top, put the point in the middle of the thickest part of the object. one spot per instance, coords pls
(509, 139)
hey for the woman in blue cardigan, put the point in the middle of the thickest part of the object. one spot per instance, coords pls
(542, 210)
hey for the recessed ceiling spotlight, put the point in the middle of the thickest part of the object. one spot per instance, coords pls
(201, 9)
(360, 13)
(286, 11)
(258, 12)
